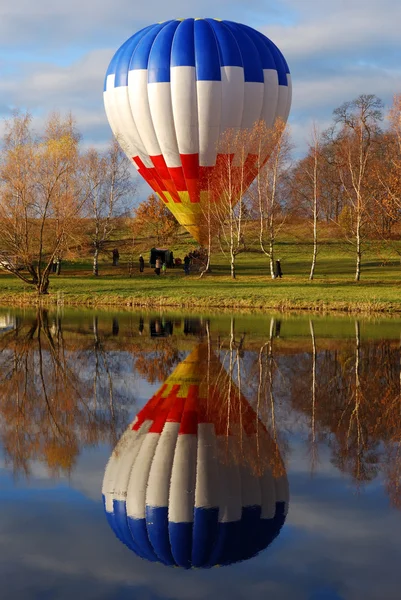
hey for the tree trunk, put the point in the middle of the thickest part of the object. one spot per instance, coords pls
(96, 262)
(358, 248)
(271, 257)
(43, 285)
(312, 269)
(232, 266)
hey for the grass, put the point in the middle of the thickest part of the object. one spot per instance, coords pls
(332, 289)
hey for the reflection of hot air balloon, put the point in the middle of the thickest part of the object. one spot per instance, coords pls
(197, 480)
(174, 88)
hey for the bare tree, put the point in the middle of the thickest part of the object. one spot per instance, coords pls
(107, 187)
(306, 189)
(272, 151)
(39, 196)
(355, 133)
(228, 183)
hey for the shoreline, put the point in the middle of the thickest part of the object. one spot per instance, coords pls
(250, 292)
(157, 303)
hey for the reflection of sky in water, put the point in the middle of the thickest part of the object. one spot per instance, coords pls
(55, 542)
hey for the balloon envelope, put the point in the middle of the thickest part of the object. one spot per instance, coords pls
(174, 88)
(196, 481)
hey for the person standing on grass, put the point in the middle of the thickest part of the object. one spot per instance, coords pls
(141, 263)
(187, 262)
(278, 272)
(116, 256)
(158, 265)
(164, 268)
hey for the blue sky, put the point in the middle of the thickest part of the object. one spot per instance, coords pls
(53, 55)
(55, 543)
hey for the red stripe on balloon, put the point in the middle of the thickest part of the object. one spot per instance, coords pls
(149, 411)
(177, 175)
(150, 176)
(164, 174)
(190, 165)
(189, 419)
(162, 413)
(177, 407)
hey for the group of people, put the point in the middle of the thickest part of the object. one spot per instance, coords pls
(160, 266)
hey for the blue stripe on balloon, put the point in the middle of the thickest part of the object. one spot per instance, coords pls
(157, 527)
(207, 58)
(265, 55)
(227, 545)
(278, 59)
(253, 70)
(140, 56)
(121, 528)
(230, 55)
(205, 533)
(140, 538)
(207, 44)
(124, 57)
(183, 48)
(203, 543)
(181, 543)
(251, 518)
(113, 63)
(160, 54)
(110, 516)
(270, 528)
(287, 69)
(120, 521)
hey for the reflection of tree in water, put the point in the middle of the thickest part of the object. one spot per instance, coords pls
(62, 389)
(352, 396)
(46, 411)
(262, 378)
(156, 364)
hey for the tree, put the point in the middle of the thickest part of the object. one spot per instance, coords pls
(107, 186)
(388, 170)
(39, 196)
(153, 219)
(229, 180)
(355, 132)
(272, 150)
(49, 411)
(306, 189)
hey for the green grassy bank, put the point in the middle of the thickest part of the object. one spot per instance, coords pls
(332, 289)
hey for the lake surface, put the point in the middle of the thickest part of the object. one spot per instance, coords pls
(185, 456)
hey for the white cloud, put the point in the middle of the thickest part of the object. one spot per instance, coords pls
(333, 541)
(54, 55)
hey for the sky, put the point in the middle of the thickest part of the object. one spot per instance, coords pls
(54, 55)
(55, 543)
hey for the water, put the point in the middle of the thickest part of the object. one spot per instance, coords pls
(314, 403)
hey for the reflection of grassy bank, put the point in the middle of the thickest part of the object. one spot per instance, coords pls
(379, 290)
(78, 324)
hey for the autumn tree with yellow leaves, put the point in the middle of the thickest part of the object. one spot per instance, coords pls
(40, 199)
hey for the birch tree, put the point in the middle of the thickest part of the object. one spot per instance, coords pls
(355, 133)
(228, 184)
(306, 190)
(107, 187)
(272, 150)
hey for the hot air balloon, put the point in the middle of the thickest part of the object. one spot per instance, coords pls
(197, 480)
(174, 88)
